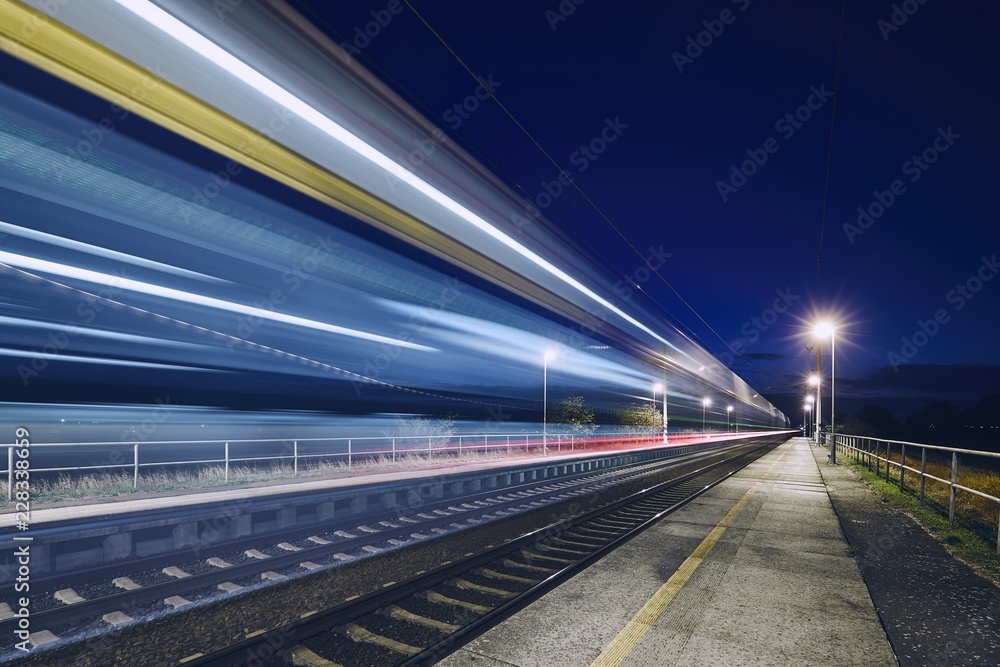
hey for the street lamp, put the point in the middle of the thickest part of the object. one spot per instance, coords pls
(729, 418)
(705, 402)
(807, 414)
(815, 382)
(822, 331)
(550, 355)
(658, 386)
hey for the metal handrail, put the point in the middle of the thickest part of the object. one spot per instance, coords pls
(868, 450)
(430, 445)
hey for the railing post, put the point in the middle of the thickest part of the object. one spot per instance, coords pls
(227, 461)
(349, 453)
(295, 458)
(486, 444)
(951, 487)
(10, 473)
(888, 457)
(923, 470)
(393, 450)
(902, 464)
(998, 536)
(135, 457)
(459, 445)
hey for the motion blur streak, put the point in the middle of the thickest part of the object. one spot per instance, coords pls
(123, 283)
(213, 53)
(164, 265)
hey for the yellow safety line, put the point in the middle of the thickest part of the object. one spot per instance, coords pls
(624, 643)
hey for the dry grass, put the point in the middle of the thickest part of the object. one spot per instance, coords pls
(978, 513)
(92, 485)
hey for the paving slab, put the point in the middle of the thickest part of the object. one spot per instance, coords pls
(778, 587)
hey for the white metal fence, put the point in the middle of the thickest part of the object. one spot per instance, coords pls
(137, 455)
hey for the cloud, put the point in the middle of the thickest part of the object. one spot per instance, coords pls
(947, 381)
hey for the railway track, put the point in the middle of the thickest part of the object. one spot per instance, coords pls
(421, 620)
(113, 595)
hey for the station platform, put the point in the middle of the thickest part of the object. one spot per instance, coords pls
(756, 571)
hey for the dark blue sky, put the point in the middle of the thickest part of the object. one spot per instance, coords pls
(904, 86)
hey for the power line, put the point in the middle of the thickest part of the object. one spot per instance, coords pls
(829, 154)
(575, 185)
(512, 180)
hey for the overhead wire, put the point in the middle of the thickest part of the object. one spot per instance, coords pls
(829, 154)
(576, 186)
(511, 179)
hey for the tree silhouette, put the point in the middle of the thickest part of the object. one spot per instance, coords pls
(575, 414)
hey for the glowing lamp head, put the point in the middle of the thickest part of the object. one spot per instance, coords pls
(658, 387)
(813, 379)
(823, 330)
(706, 402)
(729, 409)
(551, 354)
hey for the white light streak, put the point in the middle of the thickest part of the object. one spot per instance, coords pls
(219, 56)
(122, 283)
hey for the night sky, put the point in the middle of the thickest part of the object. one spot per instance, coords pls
(701, 132)
(686, 115)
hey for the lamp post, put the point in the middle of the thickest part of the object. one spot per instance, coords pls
(659, 387)
(729, 418)
(549, 355)
(814, 380)
(807, 413)
(705, 402)
(821, 331)
(665, 420)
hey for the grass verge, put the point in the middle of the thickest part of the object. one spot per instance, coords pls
(117, 484)
(973, 536)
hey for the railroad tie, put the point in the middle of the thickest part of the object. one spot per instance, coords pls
(403, 615)
(467, 585)
(437, 598)
(524, 566)
(359, 634)
(493, 574)
(303, 656)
